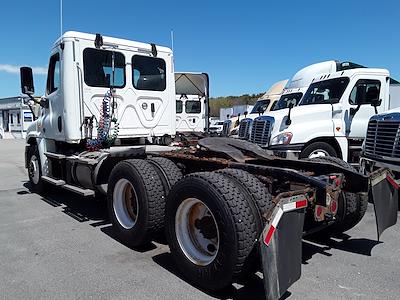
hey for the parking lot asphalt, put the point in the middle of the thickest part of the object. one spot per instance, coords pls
(60, 245)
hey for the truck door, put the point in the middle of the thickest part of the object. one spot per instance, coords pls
(53, 122)
(359, 108)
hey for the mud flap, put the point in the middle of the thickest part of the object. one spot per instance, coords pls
(281, 246)
(384, 190)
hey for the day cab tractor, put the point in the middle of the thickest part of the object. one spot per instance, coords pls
(224, 204)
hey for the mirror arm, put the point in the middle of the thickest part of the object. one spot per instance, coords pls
(30, 106)
(288, 120)
(353, 111)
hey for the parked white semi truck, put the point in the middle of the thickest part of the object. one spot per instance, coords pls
(192, 107)
(332, 117)
(223, 204)
(291, 95)
(262, 105)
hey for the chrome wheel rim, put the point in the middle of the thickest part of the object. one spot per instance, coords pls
(318, 153)
(125, 203)
(197, 231)
(33, 169)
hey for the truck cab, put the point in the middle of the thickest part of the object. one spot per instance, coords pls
(263, 105)
(96, 81)
(332, 117)
(291, 95)
(192, 107)
(381, 146)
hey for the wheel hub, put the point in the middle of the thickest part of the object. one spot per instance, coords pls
(318, 153)
(33, 169)
(125, 203)
(197, 231)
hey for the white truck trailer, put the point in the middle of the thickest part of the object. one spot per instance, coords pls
(223, 204)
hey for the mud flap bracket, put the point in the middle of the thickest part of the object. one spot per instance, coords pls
(281, 246)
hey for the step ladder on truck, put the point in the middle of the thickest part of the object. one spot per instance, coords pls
(223, 204)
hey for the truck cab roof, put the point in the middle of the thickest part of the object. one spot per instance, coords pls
(352, 72)
(304, 77)
(108, 41)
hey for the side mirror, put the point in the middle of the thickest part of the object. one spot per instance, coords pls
(245, 114)
(27, 86)
(289, 120)
(376, 102)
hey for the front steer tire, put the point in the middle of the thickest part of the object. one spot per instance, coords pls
(35, 169)
(136, 201)
(235, 224)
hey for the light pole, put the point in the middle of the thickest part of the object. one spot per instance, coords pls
(61, 17)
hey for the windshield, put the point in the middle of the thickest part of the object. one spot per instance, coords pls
(325, 92)
(288, 99)
(260, 106)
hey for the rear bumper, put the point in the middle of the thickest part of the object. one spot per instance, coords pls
(291, 151)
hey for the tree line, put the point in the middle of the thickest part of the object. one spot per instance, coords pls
(229, 101)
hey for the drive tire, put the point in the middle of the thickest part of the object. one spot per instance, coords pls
(351, 207)
(235, 229)
(260, 201)
(256, 191)
(322, 147)
(136, 201)
(167, 170)
(34, 169)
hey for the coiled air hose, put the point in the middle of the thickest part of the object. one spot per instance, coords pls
(104, 138)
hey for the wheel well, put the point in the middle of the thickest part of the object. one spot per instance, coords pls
(329, 140)
(32, 141)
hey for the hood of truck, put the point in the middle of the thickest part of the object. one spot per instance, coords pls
(392, 114)
(307, 122)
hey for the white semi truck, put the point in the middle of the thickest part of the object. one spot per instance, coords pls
(291, 94)
(262, 105)
(192, 107)
(332, 117)
(223, 204)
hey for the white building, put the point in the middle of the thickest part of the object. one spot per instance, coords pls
(15, 117)
(233, 111)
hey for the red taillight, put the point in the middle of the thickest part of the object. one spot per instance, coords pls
(301, 203)
(333, 206)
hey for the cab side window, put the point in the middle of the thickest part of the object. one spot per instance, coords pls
(149, 73)
(365, 91)
(53, 75)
